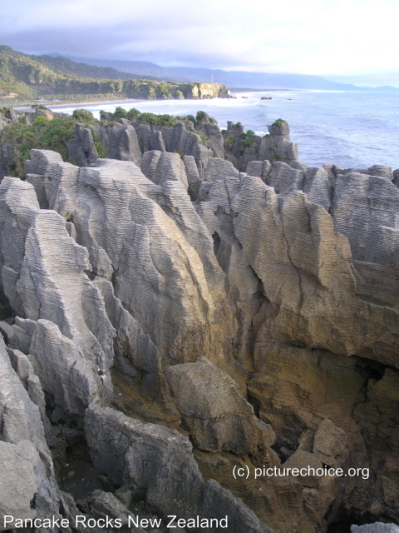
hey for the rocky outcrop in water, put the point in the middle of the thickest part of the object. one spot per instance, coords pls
(188, 321)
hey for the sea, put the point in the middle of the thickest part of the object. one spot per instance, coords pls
(353, 129)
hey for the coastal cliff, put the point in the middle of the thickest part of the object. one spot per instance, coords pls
(175, 320)
(25, 78)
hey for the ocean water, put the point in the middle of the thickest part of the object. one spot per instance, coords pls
(354, 129)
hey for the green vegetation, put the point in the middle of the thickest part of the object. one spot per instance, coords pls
(191, 118)
(229, 142)
(99, 146)
(201, 117)
(44, 134)
(19, 138)
(248, 138)
(279, 122)
(132, 113)
(202, 136)
(158, 120)
(119, 113)
(84, 117)
(148, 118)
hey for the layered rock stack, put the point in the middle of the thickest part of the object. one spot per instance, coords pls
(185, 320)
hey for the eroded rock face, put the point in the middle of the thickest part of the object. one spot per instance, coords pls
(120, 142)
(277, 145)
(155, 460)
(255, 313)
(304, 307)
(82, 147)
(67, 333)
(218, 418)
(28, 487)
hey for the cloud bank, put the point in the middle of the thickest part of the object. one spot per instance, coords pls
(341, 38)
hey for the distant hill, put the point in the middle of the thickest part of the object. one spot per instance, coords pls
(28, 77)
(386, 88)
(139, 68)
(237, 79)
(258, 80)
(68, 67)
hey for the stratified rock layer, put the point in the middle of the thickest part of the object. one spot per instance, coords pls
(254, 314)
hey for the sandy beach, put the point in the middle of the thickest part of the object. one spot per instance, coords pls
(66, 105)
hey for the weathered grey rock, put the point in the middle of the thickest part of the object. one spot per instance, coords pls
(136, 356)
(72, 380)
(215, 139)
(120, 142)
(382, 171)
(158, 462)
(317, 186)
(377, 527)
(241, 148)
(295, 232)
(219, 169)
(27, 484)
(193, 177)
(332, 171)
(18, 462)
(377, 283)
(218, 418)
(132, 239)
(18, 206)
(82, 147)
(164, 166)
(247, 318)
(260, 169)
(124, 495)
(105, 504)
(255, 168)
(74, 324)
(172, 139)
(7, 331)
(39, 171)
(277, 146)
(285, 179)
(365, 210)
(330, 443)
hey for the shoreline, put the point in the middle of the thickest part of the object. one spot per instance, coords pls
(92, 104)
(66, 105)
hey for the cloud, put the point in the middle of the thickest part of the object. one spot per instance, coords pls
(312, 37)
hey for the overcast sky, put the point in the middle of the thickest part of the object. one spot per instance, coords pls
(347, 39)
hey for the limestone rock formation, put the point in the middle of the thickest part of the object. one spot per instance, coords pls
(377, 527)
(218, 418)
(28, 487)
(120, 141)
(158, 461)
(193, 319)
(67, 334)
(160, 167)
(277, 146)
(82, 147)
